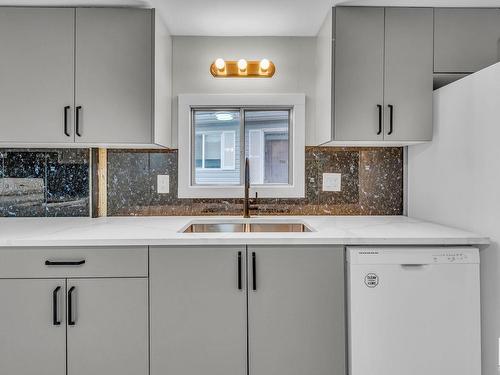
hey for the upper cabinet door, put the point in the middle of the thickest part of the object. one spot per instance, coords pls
(32, 327)
(408, 74)
(114, 77)
(107, 326)
(296, 320)
(36, 74)
(465, 40)
(359, 72)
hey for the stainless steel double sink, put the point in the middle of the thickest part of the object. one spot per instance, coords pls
(228, 227)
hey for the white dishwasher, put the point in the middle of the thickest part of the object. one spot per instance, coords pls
(413, 311)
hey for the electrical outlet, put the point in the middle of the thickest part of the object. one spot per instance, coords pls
(332, 181)
(163, 183)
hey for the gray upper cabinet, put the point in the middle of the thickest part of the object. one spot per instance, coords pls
(113, 75)
(466, 39)
(359, 73)
(36, 74)
(380, 57)
(110, 331)
(198, 310)
(32, 327)
(296, 310)
(91, 76)
(408, 74)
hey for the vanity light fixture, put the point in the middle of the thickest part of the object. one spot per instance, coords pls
(242, 68)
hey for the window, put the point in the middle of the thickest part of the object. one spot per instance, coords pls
(215, 147)
(216, 135)
(218, 160)
(267, 145)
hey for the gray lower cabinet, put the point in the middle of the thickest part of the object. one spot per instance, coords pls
(31, 341)
(203, 312)
(198, 310)
(36, 74)
(108, 329)
(465, 39)
(74, 311)
(296, 320)
(113, 75)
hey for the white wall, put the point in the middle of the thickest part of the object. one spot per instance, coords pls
(293, 57)
(455, 180)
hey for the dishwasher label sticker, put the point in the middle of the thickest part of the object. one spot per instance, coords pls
(371, 280)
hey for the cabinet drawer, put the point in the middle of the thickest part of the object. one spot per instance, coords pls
(74, 262)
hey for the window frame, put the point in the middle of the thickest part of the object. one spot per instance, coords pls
(294, 103)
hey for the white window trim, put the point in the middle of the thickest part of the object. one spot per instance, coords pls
(222, 151)
(295, 189)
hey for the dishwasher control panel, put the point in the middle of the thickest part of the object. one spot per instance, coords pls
(410, 255)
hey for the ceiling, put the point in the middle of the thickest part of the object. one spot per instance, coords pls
(245, 17)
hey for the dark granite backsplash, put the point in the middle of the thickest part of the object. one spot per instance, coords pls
(55, 182)
(50, 182)
(372, 184)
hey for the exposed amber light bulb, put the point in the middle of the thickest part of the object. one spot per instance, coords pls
(264, 64)
(220, 64)
(242, 65)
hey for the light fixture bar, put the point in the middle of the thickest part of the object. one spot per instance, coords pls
(242, 68)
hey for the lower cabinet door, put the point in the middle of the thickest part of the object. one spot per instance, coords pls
(32, 327)
(296, 320)
(107, 326)
(198, 310)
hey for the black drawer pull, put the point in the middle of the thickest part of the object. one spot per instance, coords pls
(391, 119)
(239, 271)
(65, 262)
(77, 121)
(71, 322)
(379, 119)
(66, 109)
(254, 271)
(55, 308)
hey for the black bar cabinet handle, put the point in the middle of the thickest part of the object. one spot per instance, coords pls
(239, 271)
(379, 119)
(71, 322)
(66, 109)
(77, 121)
(65, 262)
(391, 119)
(55, 308)
(254, 271)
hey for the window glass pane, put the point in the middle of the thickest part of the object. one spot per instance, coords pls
(216, 147)
(212, 149)
(228, 150)
(267, 146)
(198, 151)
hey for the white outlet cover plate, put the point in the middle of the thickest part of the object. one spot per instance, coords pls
(163, 183)
(332, 181)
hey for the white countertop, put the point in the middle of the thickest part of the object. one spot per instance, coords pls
(122, 231)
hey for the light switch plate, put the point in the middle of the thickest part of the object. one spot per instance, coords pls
(163, 183)
(332, 181)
